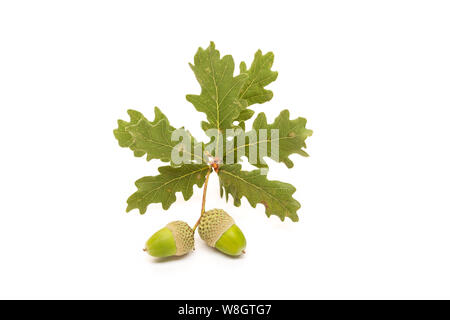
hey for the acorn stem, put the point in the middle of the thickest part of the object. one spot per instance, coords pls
(205, 187)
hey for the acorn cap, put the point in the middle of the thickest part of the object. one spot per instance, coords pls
(213, 225)
(183, 236)
(176, 238)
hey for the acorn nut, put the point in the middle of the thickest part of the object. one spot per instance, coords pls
(218, 230)
(176, 238)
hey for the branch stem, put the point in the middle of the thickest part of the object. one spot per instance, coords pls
(205, 187)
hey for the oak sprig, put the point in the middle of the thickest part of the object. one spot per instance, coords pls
(225, 99)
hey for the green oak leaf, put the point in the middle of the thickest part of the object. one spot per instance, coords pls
(276, 196)
(291, 139)
(154, 138)
(125, 138)
(220, 89)
(162, 188)
(259, 76)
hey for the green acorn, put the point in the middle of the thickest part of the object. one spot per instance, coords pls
(219, 231)
(177, 238)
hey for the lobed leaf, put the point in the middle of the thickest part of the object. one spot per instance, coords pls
(290, 138)
(162, 188)
(276, 196)
(153, 138)
(220, 90)
(259, 76)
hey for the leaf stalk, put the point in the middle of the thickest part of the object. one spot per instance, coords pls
(205, 187)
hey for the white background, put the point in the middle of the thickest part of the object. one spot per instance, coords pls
(371, 77)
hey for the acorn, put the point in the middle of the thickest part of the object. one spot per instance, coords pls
(218, 230)
(175, 239)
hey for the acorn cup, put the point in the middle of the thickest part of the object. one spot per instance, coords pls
(175, 239)
(218, 229)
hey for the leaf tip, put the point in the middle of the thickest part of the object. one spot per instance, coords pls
(243, 67)
(131, 207)
(288, 163)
